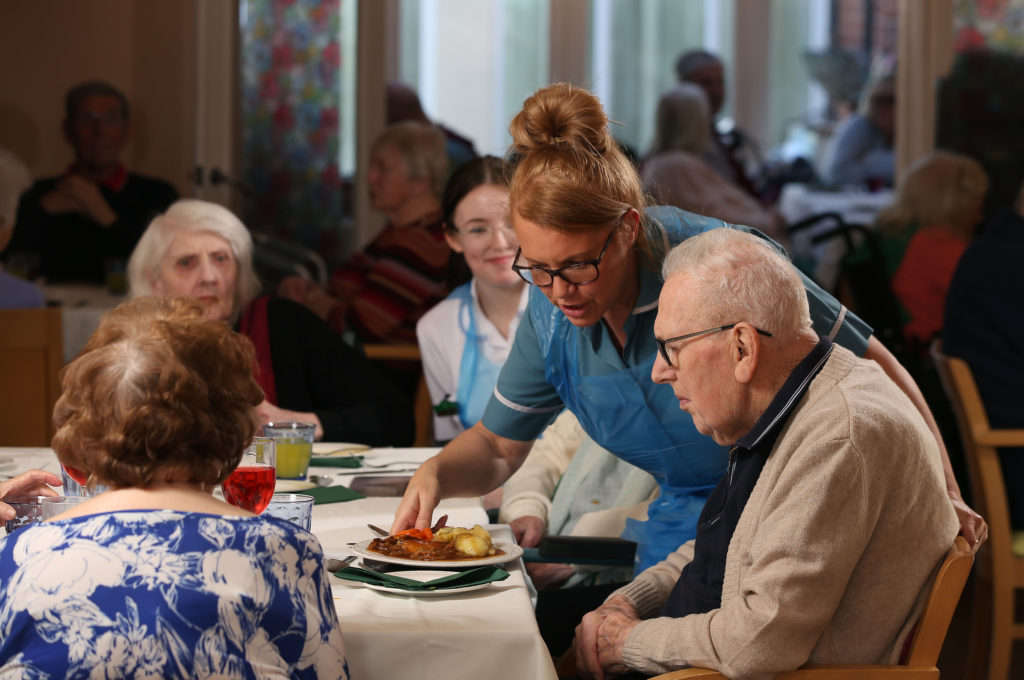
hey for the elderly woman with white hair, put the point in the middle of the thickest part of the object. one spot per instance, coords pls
(201, 250)
(14, 179)
(679, 168)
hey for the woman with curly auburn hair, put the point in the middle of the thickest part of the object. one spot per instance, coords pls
(591, 249)
(159, 407)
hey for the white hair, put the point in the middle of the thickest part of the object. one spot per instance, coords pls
(741, 277)
(193, 215)
(14, 179)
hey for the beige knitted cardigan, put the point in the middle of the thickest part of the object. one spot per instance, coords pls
(835, 551)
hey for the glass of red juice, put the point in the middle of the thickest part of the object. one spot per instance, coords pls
(251, 485)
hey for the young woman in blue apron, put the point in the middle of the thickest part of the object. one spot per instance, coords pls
(466, 338)
(592, 249)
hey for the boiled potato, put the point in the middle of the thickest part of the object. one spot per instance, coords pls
(471, 544)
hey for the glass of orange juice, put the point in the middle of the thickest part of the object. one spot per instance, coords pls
(294, 447)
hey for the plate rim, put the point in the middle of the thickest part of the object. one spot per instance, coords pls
(512, 552)
(293, 485)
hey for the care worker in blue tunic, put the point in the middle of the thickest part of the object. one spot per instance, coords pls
(591, 250)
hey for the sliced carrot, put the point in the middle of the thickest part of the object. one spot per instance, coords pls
(422, 534)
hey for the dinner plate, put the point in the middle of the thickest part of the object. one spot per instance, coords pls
(424, 575)
(511, 552)
(331, 449)
(292, 485)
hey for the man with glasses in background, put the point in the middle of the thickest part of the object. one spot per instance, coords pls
(78, 225)
(820, 542)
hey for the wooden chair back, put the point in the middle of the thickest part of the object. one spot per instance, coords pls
(31, 357)
(422, 408)
(1001, 571)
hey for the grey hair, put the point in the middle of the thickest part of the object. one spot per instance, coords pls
(683, 121)
(192, 215)
(741, 277)
(94, 87)
(14, 179)
(423, 149)
(692, 60)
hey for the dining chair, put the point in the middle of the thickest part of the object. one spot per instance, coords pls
(422, 408)
(1000, 572)
(31, 356)
(925, 644)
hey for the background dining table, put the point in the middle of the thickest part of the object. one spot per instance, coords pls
(486, 633)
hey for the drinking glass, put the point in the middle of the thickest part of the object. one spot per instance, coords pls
(28, 509)
(251, 484)
(75, 483)
(294, 447)
(55, 505)
(293, 507)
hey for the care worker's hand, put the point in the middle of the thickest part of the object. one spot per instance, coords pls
(421, 497)
(31, 483)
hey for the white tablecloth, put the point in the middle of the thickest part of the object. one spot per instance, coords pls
(488, 633)
(798, 202)
(81, 307)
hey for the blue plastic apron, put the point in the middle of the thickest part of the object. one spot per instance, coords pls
(477, 374)
(640, 421)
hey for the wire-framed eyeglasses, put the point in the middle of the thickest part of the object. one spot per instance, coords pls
(578, 274)
(662, 344)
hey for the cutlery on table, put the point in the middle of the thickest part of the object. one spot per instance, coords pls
(377, 530)
(334, 565)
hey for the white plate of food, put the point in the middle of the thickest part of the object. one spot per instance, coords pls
(506, 552)
(424, 575)
(293, 485)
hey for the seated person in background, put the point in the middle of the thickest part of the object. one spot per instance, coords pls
(404, 104)
(15, 293)
(568, 485)
(156, 577)
(984, 325)
(466, 338)
(677, 169)
(382, 291)
(861, 150)
(732, 154)
(201, 250)
(97, 210)
(818, 545)
(31, 483)
(938, 207)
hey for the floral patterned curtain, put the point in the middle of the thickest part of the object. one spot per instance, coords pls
(290, 64)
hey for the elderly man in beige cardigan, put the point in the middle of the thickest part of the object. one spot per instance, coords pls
(822, 539)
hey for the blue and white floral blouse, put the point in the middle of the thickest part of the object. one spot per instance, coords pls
(166, 594)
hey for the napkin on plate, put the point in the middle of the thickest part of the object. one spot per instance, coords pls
(462, 579)
(337, 461)
(332, 494)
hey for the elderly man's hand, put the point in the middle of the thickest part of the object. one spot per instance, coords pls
(972, 525)
(601, 636)
(268, 413)
(31, 483)
(528, 530)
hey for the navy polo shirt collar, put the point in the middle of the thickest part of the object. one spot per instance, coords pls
(767, 427)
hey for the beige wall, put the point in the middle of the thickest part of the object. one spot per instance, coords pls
(143, 47)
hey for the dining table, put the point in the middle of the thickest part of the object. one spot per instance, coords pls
(487, 632)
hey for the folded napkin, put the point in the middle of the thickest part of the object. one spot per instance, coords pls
(337, 461)
(332, 494)
(462, 579)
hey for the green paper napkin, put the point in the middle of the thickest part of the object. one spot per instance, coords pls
(337, 461)
(332, 494)
(462, 579)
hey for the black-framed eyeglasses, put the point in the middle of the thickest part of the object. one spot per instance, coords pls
(663, 350)
(578, 274)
